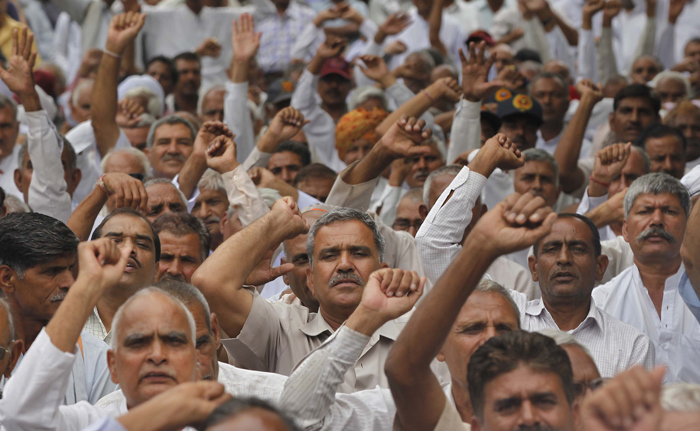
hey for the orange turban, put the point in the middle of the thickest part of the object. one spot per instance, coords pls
(355, 125)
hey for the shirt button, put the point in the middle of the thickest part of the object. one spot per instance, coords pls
(235, 177)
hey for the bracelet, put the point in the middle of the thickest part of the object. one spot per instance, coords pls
(111, 54)
(606, 185)
(101, 185)
(429, 96)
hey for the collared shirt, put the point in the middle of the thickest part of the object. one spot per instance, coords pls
(551, 145)
(615, 346)
(276, 336)
(95, 326)
(587, 204)
(675, 333)
(34, 396)
(279, 32)
(486, 14)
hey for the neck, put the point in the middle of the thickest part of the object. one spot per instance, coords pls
(334, 321)
(462, 401)
(335, 111)
(654, 272)
(186, 102)
(495, 5)
(447, 3)
(110, 302)
(568, 313)
(616, 228)
(551, 129)
(27, 327)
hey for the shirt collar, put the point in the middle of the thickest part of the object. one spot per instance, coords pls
(536, 308)
(316, 326)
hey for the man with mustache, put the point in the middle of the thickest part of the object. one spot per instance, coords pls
(666, 148)
(685, 118)
(126, 228)
(170, 143)
(648, 295)
(37, 258)
(520, 117)
(184, 244)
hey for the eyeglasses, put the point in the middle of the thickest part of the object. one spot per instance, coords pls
(581, 387)
(404, 224)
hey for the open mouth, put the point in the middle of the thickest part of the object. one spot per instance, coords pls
(132, 265)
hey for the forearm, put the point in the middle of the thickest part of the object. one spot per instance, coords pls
(104, 113)
(244, 196)
(690, 250)
(47, 190)
(83, 218)
(667, 46)
(607, 63)
(237, 118)
(587, 58)
(239, 70)
(191, 173)
(435, 23)
(466, 129)
(569, 148)
(536, 33)
(570, 32)
(415, 107)
(368, 168)
(65, 326)
(647, 41)
(303, 97)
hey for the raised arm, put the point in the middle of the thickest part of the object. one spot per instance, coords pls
(691, 251)
(283, 127)
(304, 97)
(47, 190)
(416, 390)
(222, 283)
(571, 177)
(245, 42)
(607, 63)
(435, 23)
(587, 53)
(122, 32)
(310, 390)
(125, 191)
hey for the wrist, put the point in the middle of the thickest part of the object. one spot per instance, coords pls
(607, 22)
(228, 167)
(587, 22)
(366, 322)
(484, 163)
(115, 48)
(387, 81)
(319, 20)
(379, 36)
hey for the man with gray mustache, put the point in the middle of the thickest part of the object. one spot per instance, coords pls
(652, 295)
(37, 257)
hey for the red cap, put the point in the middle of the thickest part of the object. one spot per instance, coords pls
(480, 35)
(45, 80)
(337, 66)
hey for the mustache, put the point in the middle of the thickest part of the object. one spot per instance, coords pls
(169, 157)
(535, 428)
(422, 173)
(211, 218)
(173, 277)
(658, 232)
(60, 296)
(336, 279)
(145, 373)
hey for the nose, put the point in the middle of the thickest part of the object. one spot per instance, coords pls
(657, 218)
(66, 280)
(528, 415)
(345, 262)
(412, 230)
(668, 165)
(286, 175)
(175, 267)
(635, 116)
(157, 353)
(172, 148)
(421, 163)
(537, 184)
(563, 256)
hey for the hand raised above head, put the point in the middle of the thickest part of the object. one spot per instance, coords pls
(404, 138)
(123, 30)
(221, 154)
(19, 76)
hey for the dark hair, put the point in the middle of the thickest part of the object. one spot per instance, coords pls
(527, 54)
(130, 212)
(595, 234)
(187, 56)
(238, 405)
(504, 353)
(658, 130)
(638, 91)
(31, 239)
(314, 171)
(181, 224)
(168, 62)
(2, 198)
(296, 147)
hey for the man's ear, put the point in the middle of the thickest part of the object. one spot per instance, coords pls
(112, 364)
(601, 265)
(77, 176)
(17, 348)
(624, 230)
(384, 265)
(532, 264)
(8, 277)
(440, 356)
(423, 211)
(18, 179)
(310, 281)
(215, 330)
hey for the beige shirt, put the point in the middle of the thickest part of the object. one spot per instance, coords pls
(277, 336)
(450, 420)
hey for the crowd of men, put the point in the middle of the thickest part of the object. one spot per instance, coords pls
(351, 215)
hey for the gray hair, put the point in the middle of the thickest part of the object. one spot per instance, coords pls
(146, 292)
(10, 321)
(364, 93)
(188, 295)
(671, 74)
(564, 339)
(212, 180)
(72, 157)
(681, 397)
(415, 195)
(203, 94)
(154, 105)
(645, 157)
(145, 120)
(553, 76)
(340, 215)
(452, 170)
(657, 183)
(530, 66)
(269, 196)
(154, 181)
(6, 102)
(426, 57)
(140, 156)
(14, 205)
(540, 155)
(82, 85)
(169, 120)
(490, 286)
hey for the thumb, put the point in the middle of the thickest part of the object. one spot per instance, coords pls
(657, 375)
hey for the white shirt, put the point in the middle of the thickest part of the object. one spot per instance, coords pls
(614, 346)
(7, 173)
(587, 204)
(551, 145)
(675, 334)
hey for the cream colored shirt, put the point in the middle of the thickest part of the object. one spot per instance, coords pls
(450, 420)
(277, 336)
